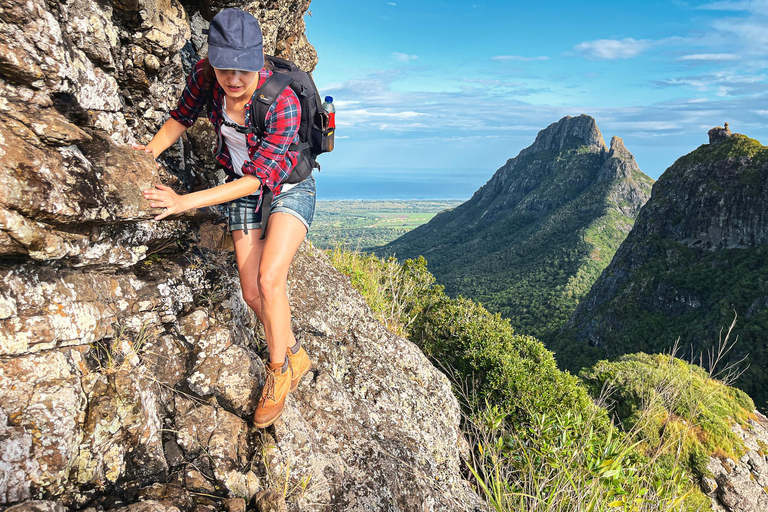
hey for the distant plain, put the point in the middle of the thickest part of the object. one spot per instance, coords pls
(363, 225)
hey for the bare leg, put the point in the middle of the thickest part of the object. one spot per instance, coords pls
(284, 236)
(248, 249)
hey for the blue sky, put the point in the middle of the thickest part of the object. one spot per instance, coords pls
(433, 96)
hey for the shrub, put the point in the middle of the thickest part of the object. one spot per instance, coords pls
(673, 404)
(566, 461)
(513, 371)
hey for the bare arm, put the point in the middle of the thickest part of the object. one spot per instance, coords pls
(164, 197)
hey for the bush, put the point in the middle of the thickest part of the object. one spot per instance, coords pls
(513, 371)
(566, 461)
(673, 404)
(510, 370)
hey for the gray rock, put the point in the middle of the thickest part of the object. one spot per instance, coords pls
(16, 462)
(718, 134)
(740, 487)
(169, 495)
(270, 501)
(708, 485)
(37, 506)
(235, 505)
(148, 506)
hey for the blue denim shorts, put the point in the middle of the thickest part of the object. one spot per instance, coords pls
(298, 201)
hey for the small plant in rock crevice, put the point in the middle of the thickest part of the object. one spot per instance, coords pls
(123, 351)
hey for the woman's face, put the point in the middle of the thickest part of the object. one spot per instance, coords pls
(237, 84)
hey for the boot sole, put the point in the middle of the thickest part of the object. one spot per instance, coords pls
(298, 379)
(265, 425)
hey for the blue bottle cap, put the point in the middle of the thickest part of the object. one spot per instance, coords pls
(329, 99)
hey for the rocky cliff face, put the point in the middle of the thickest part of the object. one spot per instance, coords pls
(531, 241)
(740, 486)
(697, 255)
(129, 364)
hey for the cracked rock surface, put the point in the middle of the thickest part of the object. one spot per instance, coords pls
(741, 486)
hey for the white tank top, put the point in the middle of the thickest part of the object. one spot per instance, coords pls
(238, 146)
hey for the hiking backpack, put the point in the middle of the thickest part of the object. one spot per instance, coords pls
(315, 137)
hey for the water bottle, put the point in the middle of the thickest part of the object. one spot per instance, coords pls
(331, 110)
(328, 134)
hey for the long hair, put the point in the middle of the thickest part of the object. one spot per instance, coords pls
(209, 76)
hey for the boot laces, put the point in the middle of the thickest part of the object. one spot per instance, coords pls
(290, 364)
(269, 386)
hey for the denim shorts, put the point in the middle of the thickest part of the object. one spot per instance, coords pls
(298, 201)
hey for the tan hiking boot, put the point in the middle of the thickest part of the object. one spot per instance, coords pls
(300, 365)
(273, 395)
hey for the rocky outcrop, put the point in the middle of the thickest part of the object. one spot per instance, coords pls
(719, 134)
(568, 132)
(694, 259)
(129, 363)
(740, 486)
(531, 241)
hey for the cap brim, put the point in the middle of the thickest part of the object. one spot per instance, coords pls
(228, 58)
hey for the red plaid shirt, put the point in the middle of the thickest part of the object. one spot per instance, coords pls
(270, 160)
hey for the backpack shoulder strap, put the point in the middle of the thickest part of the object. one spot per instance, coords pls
(265, 96)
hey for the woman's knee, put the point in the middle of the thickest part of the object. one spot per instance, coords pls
(271, 283)
(251, 296)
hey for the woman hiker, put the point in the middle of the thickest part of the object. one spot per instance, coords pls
(234, 69)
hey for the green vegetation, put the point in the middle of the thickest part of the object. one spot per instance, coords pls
(513, 370)
(696, 257)
(365, 225)
(529, 244)
(719, 283)
(674, 403)
(736, 146)
(562, 462)
(396, 293)
(538, 441)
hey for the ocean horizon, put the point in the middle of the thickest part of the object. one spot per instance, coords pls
(395, 185)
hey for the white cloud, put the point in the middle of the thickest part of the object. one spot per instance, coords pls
(723, 84)
(611, 49)
(393, 4)
(741, 5)
(519, 58)
(625, 126)
(404, 57)
(751, 32)
(711, 56)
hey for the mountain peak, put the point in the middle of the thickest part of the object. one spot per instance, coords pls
(719, 133)
(569, 132)
(618, 149)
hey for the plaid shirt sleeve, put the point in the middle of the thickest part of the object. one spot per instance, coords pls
(193, 98)
(271, 161)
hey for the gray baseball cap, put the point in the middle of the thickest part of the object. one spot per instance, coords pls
(235, 42)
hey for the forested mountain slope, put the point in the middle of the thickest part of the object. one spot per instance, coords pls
(532, 240)
(698, 255)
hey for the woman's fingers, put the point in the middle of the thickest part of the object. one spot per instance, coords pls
(163, 196)
(167, 212)
(142, 147)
